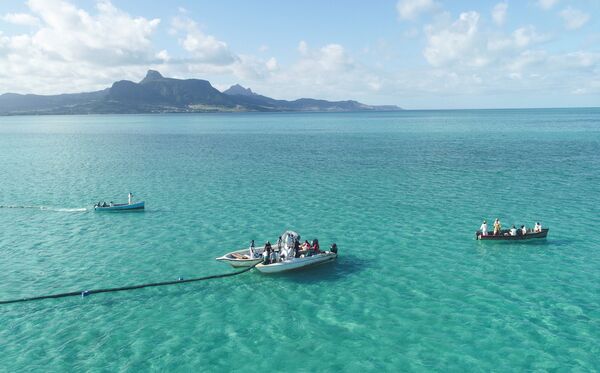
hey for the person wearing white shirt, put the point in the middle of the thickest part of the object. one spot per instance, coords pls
(130, 197)
(523, 230)
(251, 249)
(537, 228)
(484, 228)
(513, 231)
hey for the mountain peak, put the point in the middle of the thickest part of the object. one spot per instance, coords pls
(152, 75)
(237, 89)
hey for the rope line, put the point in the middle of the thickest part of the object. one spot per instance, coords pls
(124, 288)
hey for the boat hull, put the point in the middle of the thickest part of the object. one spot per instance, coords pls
(122, 207)
(296, 263)
(504, 236)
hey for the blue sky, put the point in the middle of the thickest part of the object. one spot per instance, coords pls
(414, 53)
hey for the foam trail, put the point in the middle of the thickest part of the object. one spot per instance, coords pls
(19, 207)
(44, 208)
(57, 209)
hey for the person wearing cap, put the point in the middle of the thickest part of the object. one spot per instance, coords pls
(484, 228)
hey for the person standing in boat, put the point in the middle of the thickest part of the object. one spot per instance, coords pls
(497, 227)
(296, 248)
(267, 253)
(251, 251)
(130, 198)
(523, 230)
(484, 228)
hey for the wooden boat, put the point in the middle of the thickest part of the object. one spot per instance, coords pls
(504, 235)
(120, 207)
(297, 263)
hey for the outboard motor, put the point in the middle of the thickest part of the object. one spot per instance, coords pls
(333, 248)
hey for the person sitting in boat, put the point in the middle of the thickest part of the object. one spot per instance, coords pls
(251, 252)
(333, 248)
(104, 204)
(523, 230)
(305, 245)
(111, 203)
(484, 228)
(537, 228)
(315, 246)
(497, 227)
(513, 231)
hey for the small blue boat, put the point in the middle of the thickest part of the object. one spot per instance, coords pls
(138, 206)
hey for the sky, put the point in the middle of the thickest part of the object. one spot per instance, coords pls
(418, 54)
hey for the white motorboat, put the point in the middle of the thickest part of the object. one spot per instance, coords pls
(283, 257)
(297, 263)
(242, 258)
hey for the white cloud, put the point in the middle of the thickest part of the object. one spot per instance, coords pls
(449, 44)
(22, 19)
(73, 50)
(527, 59)
(499, 13)
(467, 56)
(303, 47)
(574, 18)
(467, 43)
(546, 4)
(410, 9)
(205, 48)
(72, 34)
(327, 72)
(163, 55)
(522, 37)
(272, 64)
(525, 36)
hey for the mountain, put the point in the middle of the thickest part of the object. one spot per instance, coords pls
(237, 89)
(157, 94)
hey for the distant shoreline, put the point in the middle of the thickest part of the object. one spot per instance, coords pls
(401, 110)
(157, 94)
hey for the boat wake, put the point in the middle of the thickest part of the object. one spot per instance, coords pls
(44, 208)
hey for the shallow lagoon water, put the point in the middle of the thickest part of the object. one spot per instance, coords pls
(401, 193)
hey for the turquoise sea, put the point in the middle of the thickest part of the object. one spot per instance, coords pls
(400, 193)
